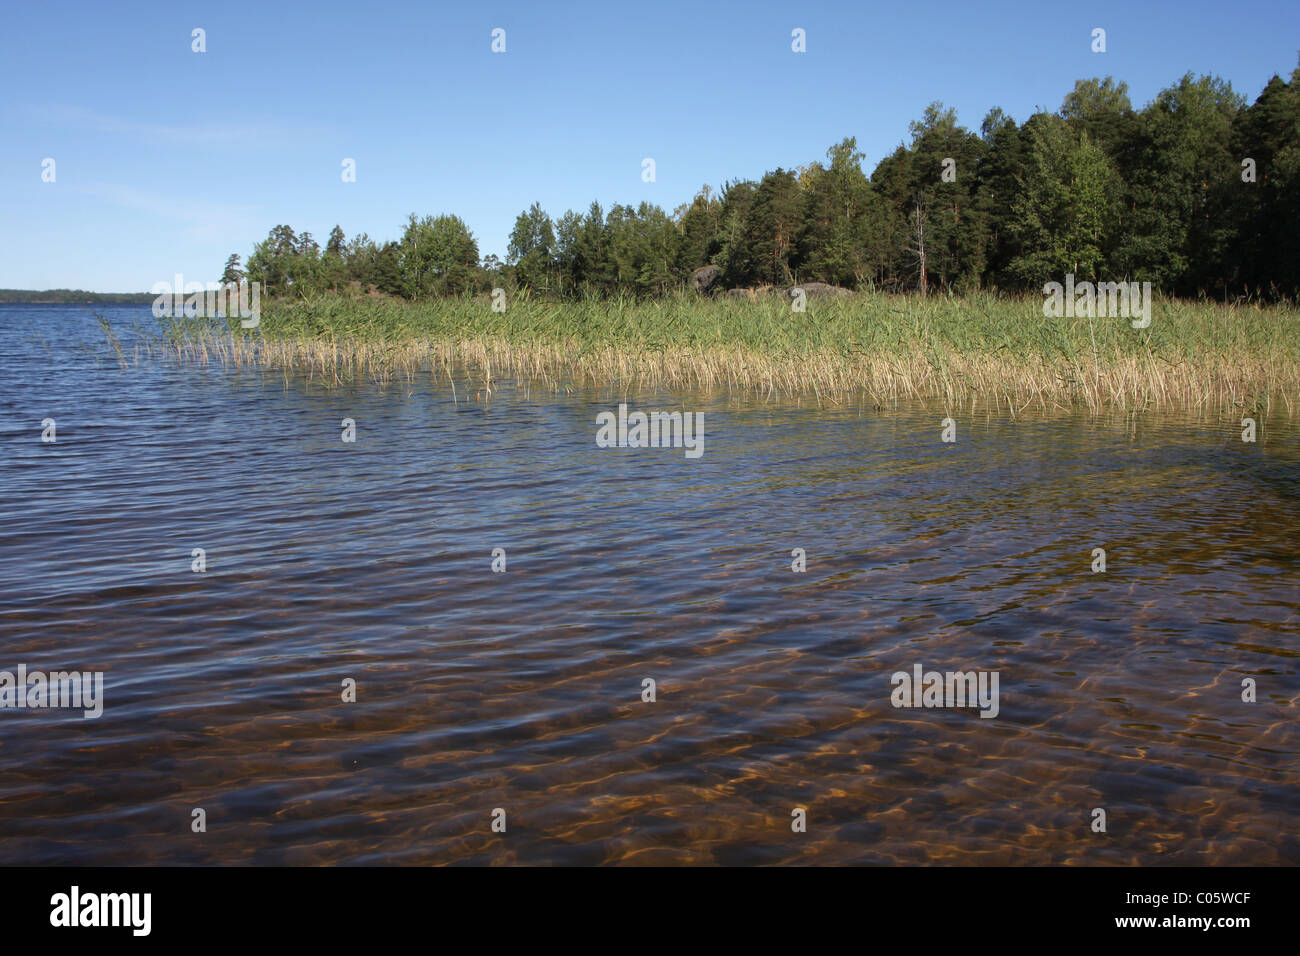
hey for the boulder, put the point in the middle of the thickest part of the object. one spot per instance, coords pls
(705, 278)
(820, 290)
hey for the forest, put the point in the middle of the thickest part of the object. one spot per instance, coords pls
(1197, 192)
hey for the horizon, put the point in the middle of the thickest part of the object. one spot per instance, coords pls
(157, 178)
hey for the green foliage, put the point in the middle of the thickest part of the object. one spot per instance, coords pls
(232, 272)
(437, 256)
(532, 250)
(1063, 206)
(1097, 189)
(699, 225)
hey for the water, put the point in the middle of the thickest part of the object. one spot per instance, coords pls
(522, 690)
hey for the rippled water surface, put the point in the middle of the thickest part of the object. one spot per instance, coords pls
(522, 690)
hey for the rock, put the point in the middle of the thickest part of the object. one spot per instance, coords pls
(748, 294)
(820, 290)
(705, 278)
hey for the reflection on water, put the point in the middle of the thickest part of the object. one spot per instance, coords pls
(523, 690)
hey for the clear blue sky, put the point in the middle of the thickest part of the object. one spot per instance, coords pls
(169, 160)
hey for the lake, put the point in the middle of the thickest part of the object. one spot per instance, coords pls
(518, 694)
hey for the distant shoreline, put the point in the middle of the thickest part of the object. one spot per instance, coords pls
(72, 297)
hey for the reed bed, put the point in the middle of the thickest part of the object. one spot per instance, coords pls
(977, 348)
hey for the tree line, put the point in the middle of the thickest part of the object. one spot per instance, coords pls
(1197, 192)
(76, 296)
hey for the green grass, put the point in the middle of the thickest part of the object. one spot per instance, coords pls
(977, 346)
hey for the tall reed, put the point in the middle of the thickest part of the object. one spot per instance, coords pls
(992, 348)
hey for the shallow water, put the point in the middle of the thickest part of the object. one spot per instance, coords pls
(522, 690)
